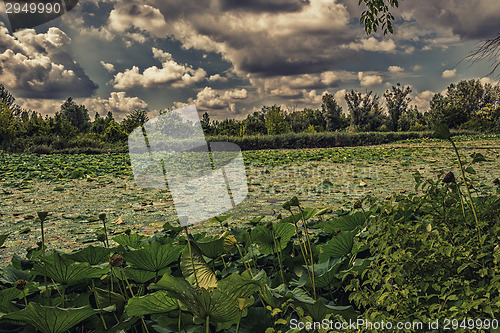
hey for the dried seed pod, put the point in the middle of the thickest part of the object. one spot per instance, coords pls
(20, 284)
(116, 260)
(357, 204)
(449, 178)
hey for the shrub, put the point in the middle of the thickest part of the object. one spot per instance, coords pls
(430, 261)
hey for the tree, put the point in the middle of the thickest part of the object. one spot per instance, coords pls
(299, 121)
(377, 15)
(205, 123)
(275, 120)
(109, 117)
(114, 132)
(134, 119)
(229, 127)
(332, 112)
(77, 115)
(9, 123)
(6, 97)
(412, 120)
(488, 50)
(98, 125)
(254, 124)
(34, 124)
(365, 111)
(435, 115)
(59, 125)
(397, 102)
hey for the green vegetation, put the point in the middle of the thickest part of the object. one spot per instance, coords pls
(416, 256)
(467, 106)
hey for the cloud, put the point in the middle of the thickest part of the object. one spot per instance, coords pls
(475, 19)
(170, 74)
(135, 21)
(264, 5)
(422, 100)
(41, 66)
(410, 49)
(117, 102)
(369, 80)
(487, 80)
(416, 68)
(42, 106)
(109, 67)
(372, 44)
(395, 69)
(292, 85)
(217, 77)
(265, 43)
(449, 73)
(216, 101)
(340, 98)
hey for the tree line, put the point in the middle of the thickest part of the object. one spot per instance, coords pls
(468, 105)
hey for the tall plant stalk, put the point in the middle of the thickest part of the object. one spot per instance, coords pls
(278, 252)
(102, 217)
(191, 257)
(466, 186)
(42, 216)
(303, 250)
(306, 230)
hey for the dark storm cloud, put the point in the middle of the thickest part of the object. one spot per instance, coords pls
(471, 19)
(266, 67)
(264, 5)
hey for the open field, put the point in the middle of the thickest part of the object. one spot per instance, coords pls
(76, 188)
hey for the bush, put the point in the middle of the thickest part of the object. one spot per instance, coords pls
(114, 133)
(41, 149)
(429, 261)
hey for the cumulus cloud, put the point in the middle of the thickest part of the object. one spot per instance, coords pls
(340, 98)
(171, 73)
(109, 67)
(216, 101)
(422, 100)
(449, 73)
(217, 77)
(373, 44)
(369, 80)
(487, 80)
(292, 85)
(40, 65)
(42, 106)
(136, 21)
(395, 69)
(117, 102)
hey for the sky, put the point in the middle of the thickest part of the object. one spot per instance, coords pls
(231, 57)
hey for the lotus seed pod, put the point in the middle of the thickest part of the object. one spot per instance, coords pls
(21, 284)
(449, 178)
(116, 260)
(357, 204)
